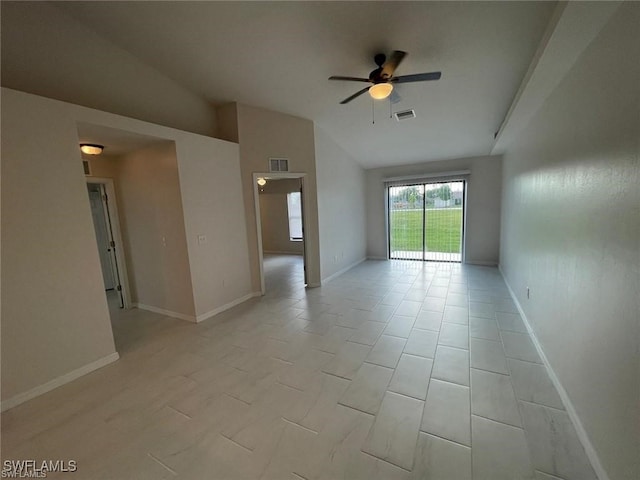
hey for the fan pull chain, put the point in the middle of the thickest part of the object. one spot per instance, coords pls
(373, 112)
(390, 114)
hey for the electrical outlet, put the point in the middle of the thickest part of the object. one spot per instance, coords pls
(202, 239)
(164, 241)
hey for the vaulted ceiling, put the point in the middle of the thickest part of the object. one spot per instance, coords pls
(279, 55)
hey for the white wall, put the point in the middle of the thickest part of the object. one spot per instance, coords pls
(212, 205)
(211, 189)
(571, 233)
(150, 207)
(341, 206)
(55, 319)
(36, 40)
(274, 217)
(482, 228)
(264, 134)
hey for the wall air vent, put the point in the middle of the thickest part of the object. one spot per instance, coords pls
(404, 115)
(278, 164)
(86, 166)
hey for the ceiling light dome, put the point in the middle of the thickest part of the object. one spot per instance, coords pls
(91, 148)
(380, 91)
(262, 182)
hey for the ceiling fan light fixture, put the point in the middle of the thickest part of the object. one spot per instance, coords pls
(262, 181)
(91, 148)
(380, 91)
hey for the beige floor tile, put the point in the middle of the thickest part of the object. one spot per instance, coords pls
(546, 476)
(347, 360)
(458, 315)
(499, 451)
(483, 310)
(386, 352)
(433, 303)
(399, 326)
(321, 401)
(367, 333)
(244, 395)
(519, 346)
(422, 343)
(511, 322)
(457, 299)
(429, 320)
(394, 434)
(451, 365)
(411, 376)
(437, 291)
(447, 412)
(483, 328)
(532, 384)
(492, 397)
(381, 313)
(555, 446)
(439, 459)
(367, 388)
(408, 308)
(454, 335)
(488, 355)
(337, 445)
(334, 339)
(290, 454)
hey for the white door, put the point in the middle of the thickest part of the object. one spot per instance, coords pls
(102, 234)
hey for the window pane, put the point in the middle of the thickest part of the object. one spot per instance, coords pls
(295, 216)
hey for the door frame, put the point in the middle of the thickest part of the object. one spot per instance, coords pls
(114, 218)
(426, 181)
(305, 218)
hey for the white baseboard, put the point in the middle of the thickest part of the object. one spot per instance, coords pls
(57, 382)
(162, 311)
(589, 449)
(340, 272)
(227, 306)
(275, 252)
(481, 263)
(376, 258)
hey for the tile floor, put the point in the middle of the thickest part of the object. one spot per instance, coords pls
(394, 370)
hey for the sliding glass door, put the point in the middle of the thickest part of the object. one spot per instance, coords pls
(426, 221)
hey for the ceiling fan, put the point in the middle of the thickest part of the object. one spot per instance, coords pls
(382, 77)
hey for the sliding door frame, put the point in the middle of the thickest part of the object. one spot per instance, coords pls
(424, 182)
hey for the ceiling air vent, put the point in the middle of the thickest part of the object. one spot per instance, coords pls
(278, 165)
(404, 115)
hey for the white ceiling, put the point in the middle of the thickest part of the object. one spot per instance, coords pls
(278, 55)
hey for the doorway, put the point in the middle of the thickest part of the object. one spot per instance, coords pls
(280, 221)
(107, 229)
(426, 221)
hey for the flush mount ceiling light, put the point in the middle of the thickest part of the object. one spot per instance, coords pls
(262, 182)
(380, 91)
(91, 148)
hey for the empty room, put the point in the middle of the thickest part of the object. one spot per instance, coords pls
(320, 240)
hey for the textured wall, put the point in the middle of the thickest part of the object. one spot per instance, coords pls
(571, 233)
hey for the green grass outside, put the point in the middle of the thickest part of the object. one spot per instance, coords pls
(443, 230)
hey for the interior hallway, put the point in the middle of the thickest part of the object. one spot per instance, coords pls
(393, 370)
